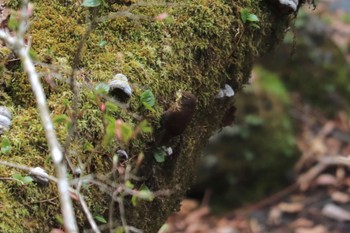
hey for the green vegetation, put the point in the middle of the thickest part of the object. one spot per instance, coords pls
(202, 47)
(250, 18)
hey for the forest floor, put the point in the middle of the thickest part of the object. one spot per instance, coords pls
(317, 202)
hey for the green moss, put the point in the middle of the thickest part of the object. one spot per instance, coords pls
(201, 47)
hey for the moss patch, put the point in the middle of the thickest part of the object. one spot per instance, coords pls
(200, 47)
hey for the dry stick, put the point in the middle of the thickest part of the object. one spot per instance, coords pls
(50, 200)
(29, 169)
(110, 213)
(120, 201)
(325, 162)
(88, 214)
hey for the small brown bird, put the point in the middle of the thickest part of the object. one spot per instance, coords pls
(176, 119)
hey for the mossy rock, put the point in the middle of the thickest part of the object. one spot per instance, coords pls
(200, 47)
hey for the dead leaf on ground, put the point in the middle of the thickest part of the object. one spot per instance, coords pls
(336, 212)
(196, 215)
(290, 207)
(340, 197)
(275, 215)
(340, 173)
(326, 180)
(255, 226)
(316, 229)
(302, 223)
(226, 230)
(188, 205)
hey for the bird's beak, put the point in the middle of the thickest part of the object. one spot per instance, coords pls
(178, 95)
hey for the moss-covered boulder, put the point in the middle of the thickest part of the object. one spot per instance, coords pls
(201, 46)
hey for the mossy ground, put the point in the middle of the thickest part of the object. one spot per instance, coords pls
(200, 47)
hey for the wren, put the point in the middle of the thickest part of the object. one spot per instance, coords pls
(176, 119)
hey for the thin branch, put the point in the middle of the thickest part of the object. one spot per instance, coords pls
(120, 201)
(28, 169)
(73, 88)
(88, 214)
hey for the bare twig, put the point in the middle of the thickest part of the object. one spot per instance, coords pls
(305, 179)
(73, 87)
(120, 201)
(88, 214)
(29, 169)
(50, 200)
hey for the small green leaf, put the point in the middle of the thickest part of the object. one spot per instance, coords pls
(147, 99)
(102, 43)
(159, 155)
(164, 228)
(119, 230)
(13, 23)
(100, 218)
(252, 18)
(111, 107)
(126, 131)
(33, 55)
(145, 127)
(244, 15)
(27, 180)
(5, 145)
(129, 185)
(66, 102)
(146, 195)
(91, 3)
(110, 130)
(254, 25)
(102, 88)
(88, 146)
(60, 118)
(17, 176)
(134, 200)
(59, 219)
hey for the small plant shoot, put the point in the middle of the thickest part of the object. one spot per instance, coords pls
(147, 99)
(5, 145)
(23, 180)
(248, 17)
